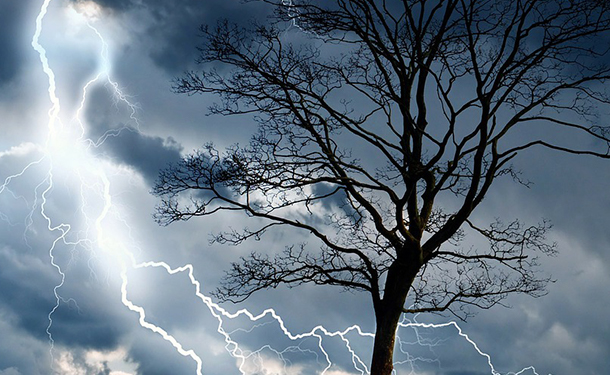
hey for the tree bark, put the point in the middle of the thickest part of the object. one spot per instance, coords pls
(383, 348)
(388, 312)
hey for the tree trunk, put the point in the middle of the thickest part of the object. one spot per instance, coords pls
(388, 312)
(383, 348)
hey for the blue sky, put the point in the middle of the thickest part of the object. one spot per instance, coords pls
(76, 226)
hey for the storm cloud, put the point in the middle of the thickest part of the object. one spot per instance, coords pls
(94, 332)
(13, 42)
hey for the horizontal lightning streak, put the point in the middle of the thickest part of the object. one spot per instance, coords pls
(166, 336)
(218, 312)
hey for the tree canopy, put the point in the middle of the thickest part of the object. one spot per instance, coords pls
(382, 125)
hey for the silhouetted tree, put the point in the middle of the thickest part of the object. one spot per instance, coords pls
(370, 113)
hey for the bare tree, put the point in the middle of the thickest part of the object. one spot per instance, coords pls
(370, 114)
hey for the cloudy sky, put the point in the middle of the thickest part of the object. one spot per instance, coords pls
(89, 284)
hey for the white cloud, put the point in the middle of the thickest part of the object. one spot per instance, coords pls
(22, 149)
(66, 365)
(93, 361)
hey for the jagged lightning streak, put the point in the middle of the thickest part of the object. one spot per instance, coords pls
(53, 118)
(51, 146)
(218, 312)
(126, 258)
(405, 323)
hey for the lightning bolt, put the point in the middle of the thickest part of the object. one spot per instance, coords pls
(98, 237)
(53, 146)
(406, 323)
(53, 119)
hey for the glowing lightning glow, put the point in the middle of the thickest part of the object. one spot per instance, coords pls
(65, 228)
(53, 150)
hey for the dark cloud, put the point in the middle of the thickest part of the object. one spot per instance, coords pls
(146, 154)
(25, 290)
(94, 328)
(13, 15)
(120, 5)
(157, 357)
(172, 33)
(335, 200)
(122, 142)
(111, 5)
(20, 353)
(106, 370)
(174, 28)
(105, 113)
(86, 319)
